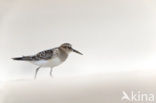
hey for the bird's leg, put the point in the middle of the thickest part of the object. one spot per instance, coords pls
(51, 70)
(36, 71)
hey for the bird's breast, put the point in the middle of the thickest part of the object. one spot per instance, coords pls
(54, 61)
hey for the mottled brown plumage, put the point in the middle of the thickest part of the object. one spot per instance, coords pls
(46, 54)
(49, 58)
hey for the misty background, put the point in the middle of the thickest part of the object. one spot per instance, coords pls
(117, 38)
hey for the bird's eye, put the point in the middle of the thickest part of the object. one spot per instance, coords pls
(69, 47)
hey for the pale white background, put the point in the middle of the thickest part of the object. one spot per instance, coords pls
(113, 35)
(117, 38)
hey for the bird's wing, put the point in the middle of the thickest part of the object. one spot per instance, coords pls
(47, 54)
(43, 55)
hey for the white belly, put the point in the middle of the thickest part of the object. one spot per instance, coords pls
(48, 63)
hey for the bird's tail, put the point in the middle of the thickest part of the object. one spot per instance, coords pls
(24, 58)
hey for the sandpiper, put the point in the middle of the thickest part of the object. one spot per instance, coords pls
(49, 58)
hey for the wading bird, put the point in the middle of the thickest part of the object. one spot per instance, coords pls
(49, 58)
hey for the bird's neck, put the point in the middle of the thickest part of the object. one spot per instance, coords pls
(63, 54)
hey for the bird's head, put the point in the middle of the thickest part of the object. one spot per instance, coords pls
(67, 47)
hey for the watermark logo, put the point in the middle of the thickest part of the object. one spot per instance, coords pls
(137, 96)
